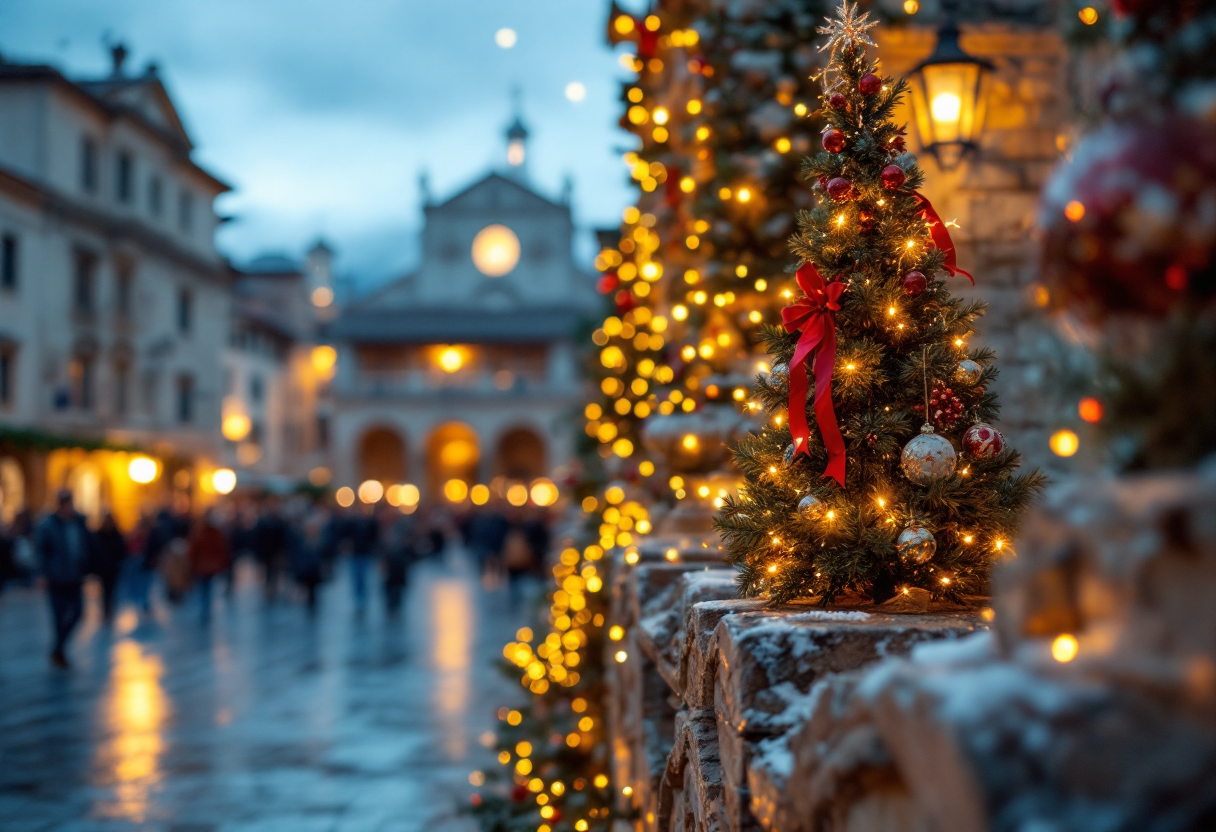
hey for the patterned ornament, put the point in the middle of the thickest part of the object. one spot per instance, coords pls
(833, 141)
(914, 283)
(789, 456)
(945, 408)
(840, 189)
(893, 177)
(982, 441)
(779, 375)
(810, 506)
(928, 457)
(915, 544)
(869, 84)
(970, 372)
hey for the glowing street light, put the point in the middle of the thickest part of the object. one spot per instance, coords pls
(948, 95)
(143, 470)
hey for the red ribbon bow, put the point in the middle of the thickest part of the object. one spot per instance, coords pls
(815, 316)
(940, 235)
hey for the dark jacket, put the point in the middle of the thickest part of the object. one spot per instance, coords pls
(111, 552)
(61, 561)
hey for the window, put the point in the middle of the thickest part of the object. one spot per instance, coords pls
(82, 373)
(88, 164)
(185, 211)
(185, 399)
(7, 360)
(122, 387)
(123, 174)
(256, 389)
(84, 288)
(124, 289)
(8, 262)
(156, 195)
(185, 310)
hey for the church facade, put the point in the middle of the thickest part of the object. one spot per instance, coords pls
(464, 372)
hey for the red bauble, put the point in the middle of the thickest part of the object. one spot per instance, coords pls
(837, 101)
(914, 283)
(869, 84)
(983, 441)
(1122, 220)
(608, 283)
(833, 141)
(556, 816)
(893, 177)
(840, 189)
(519, 793)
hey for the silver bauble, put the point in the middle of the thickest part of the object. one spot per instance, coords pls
(915, 544)
(779, 375)
(928, 457)
(970, 371)
(810, 506)
(790, 455)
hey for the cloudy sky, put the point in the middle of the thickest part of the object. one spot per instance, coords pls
(322, 113)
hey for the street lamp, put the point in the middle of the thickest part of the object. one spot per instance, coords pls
(948, 95)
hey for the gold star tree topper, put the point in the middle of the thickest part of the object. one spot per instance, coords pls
(847, 29)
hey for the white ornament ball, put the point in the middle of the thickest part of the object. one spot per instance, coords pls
(928, 458)
(970, 371)
(810, 506)
(790, 455)
(915, 544)
(780, 374)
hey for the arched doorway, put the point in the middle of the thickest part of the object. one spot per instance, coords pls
(452, 454)
(12, 489)
(382, 456)
(520, 455)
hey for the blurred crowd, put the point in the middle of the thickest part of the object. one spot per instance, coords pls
(295, 543)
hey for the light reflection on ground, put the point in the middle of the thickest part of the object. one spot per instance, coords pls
(266, 722)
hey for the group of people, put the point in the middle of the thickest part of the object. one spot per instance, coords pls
(297, 542)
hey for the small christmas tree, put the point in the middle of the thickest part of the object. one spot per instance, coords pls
(887, 347)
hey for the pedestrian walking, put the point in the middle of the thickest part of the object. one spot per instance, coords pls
(270, 541)
(364, 535)
(156, 545)
(111, 557)
(65, 547)
(209, 555)
(308, 556)
(398, 552)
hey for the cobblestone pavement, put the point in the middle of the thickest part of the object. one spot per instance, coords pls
(264, 721)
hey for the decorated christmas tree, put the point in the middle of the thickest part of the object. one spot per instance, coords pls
(889, 479)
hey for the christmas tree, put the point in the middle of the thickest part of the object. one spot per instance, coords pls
(868, 494)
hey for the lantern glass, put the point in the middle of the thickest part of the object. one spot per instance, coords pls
(949, 97)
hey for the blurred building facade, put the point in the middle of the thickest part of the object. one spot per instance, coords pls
(274, 371)
(466, 369)
(114, 301)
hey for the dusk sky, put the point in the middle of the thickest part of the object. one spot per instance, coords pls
(322, 113)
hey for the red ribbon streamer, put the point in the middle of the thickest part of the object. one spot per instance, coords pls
(815, 316)
(940, 235)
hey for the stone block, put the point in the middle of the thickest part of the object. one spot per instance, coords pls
(692, 797)
(768, 660)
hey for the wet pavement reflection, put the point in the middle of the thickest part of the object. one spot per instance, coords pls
(267, 720)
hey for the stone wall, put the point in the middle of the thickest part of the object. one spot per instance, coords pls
(1084, 699)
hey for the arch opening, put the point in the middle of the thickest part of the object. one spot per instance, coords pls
(382, 456)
